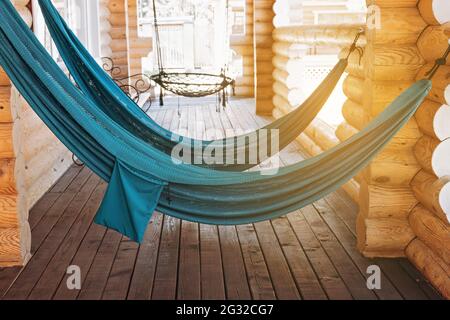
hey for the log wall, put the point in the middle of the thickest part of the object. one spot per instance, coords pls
(430, 220)
(243, 46)
(14, 228)
(31, 157)
(390, 64)
(119, 44)
(105, 29)
(290, 46)
(263, 16)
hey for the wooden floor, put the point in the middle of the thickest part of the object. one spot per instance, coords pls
(309, 254)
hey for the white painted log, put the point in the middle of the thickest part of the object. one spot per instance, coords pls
(447, 94)
(444, 200)
(435, 12)
(441, 159)
(441, 123)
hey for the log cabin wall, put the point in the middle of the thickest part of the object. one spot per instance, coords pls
(139, 47)
(243, 46)
(290, 45)
(404, 194)
(120, 51)
(31, 157)
(430, 220)
(263, 16)
(391, 62)
(31, 160)
(105, 29)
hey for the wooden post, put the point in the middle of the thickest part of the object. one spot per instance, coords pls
(391, 62)
(119, 45)
(243, 46)
(263, 15)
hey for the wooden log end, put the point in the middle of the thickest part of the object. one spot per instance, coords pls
(441, 122)
(440, 160)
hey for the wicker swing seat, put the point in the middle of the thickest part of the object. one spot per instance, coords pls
(193, 85)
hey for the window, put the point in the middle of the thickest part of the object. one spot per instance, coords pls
(83, 18)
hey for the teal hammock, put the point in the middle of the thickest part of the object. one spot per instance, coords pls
(99, 87)
(143, 178)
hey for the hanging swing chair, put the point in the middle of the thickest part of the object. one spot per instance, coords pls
(190, 84)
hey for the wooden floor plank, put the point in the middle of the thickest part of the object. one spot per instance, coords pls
(257, 272)
(63, 183)
(324, 268)
(280, 274)
(97, 277)
(405, 285)
(212, 277)
(165, 285)
(189, 287)
(83, 258)
(122, 270)
(301, 269)
(41, 207)
(144, 272)
(51, 231)
(348, 241)
(349, 273)
(7, 277)
(236, 281)
(69, 240)
(424, 284)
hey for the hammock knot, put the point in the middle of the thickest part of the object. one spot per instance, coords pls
(437, 64)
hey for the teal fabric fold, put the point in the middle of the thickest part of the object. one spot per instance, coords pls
(189, 192)
(129, 202)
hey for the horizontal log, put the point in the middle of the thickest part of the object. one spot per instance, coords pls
(392, 167)
(358, 117)
(440, 82)
(289, 50)
(432, 119)
(293, 96)
(399, 27)
(423, 151)
(440, 159)
(353, 88)
(440, 122)
(374, 199)
(433, 194)
(328, 35)
(322, 134)
(385, 237)
(345, 131)
(392, 4)
(431, 265)
(8, 184)
(291, 81)
(380, 94)
(433, 43)
(432, 231)
(434, 12)
(392, 62)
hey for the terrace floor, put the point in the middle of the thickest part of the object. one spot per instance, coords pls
(309, 254)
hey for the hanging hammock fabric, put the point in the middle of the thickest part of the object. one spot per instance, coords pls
(99, 87)
(142, 178)
(188, 84)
